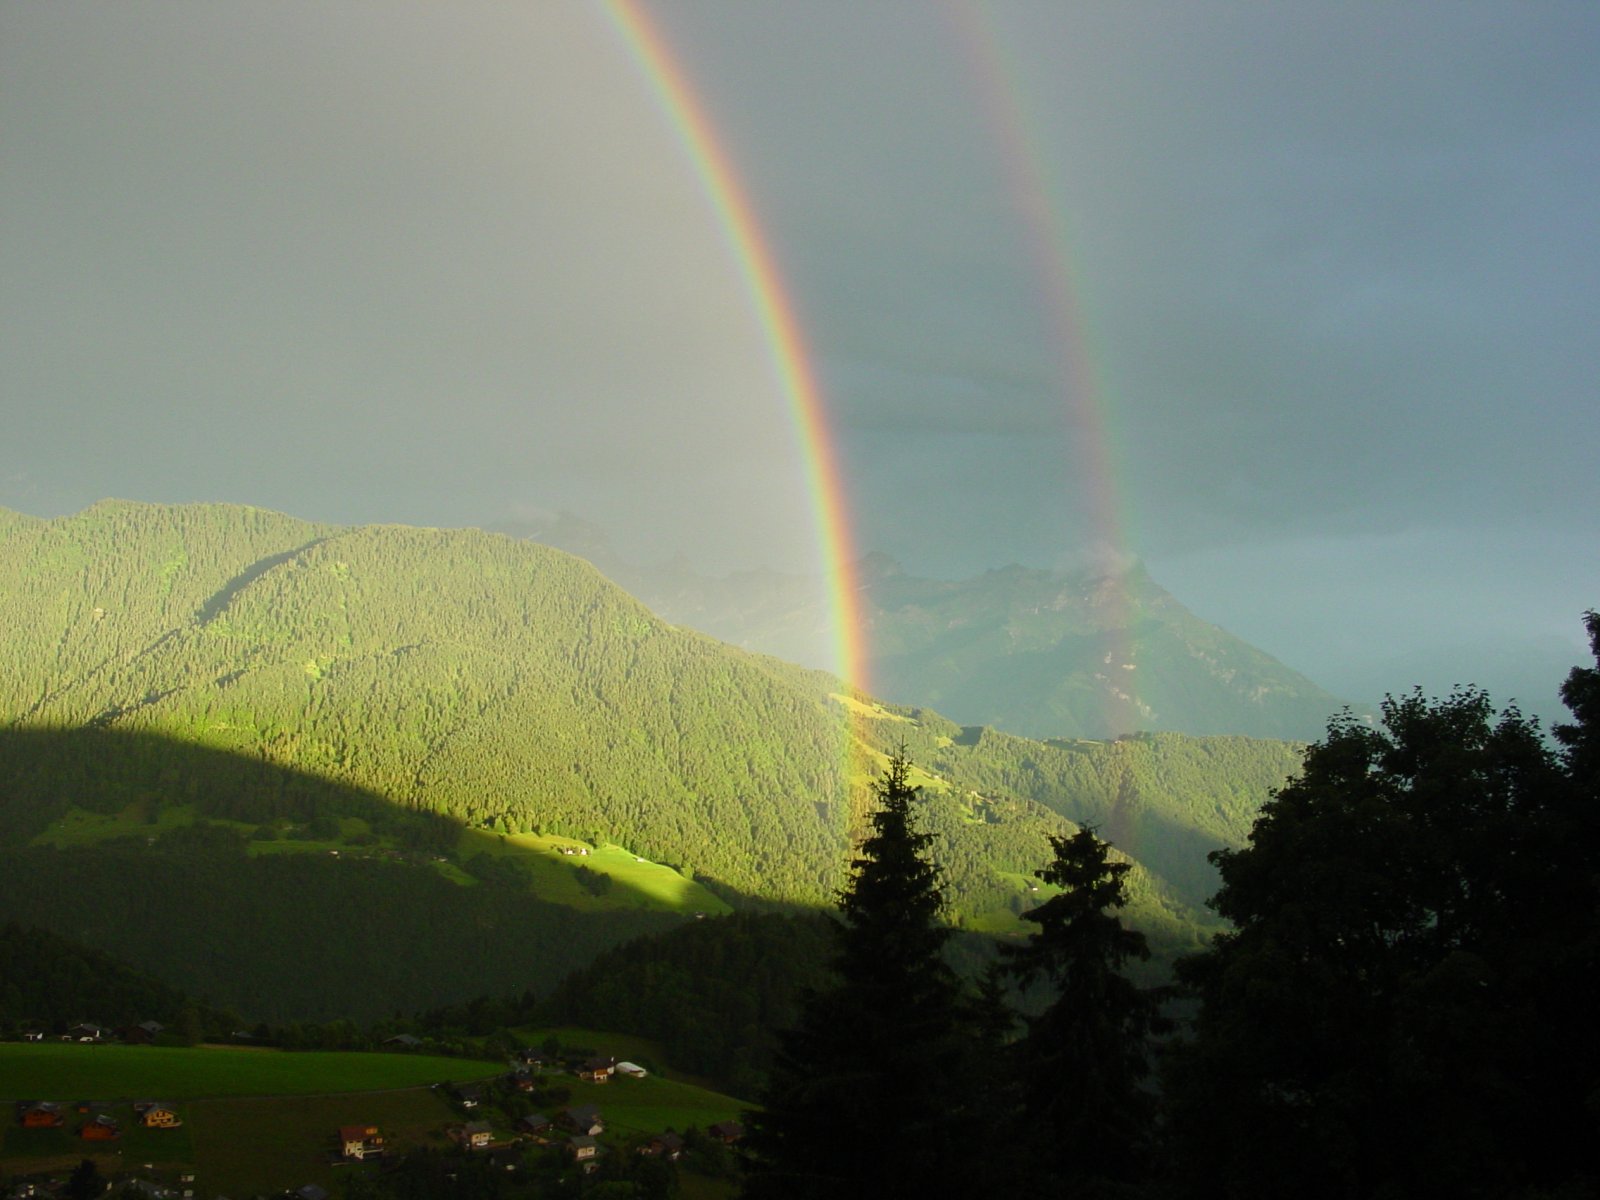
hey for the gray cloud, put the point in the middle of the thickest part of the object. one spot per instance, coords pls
(1335, 265)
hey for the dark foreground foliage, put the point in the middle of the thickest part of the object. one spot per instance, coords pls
(1404, 1006)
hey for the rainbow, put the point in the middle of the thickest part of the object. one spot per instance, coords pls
(775, 313)
(1085, 395)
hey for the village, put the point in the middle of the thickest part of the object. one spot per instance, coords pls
(545, 1113)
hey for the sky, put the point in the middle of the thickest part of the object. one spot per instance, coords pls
(1295, 303)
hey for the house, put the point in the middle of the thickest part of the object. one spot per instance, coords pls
(470, 1095)
(584, 1152)
(87, 1031)
(158, 1116)
(666, 1145)
(633, 1069)
(581, 1119)
(403, 1041)
(596, 1070)
(521, 1080)
(33, 1035)
(143, 1034)
(726, 1132)
(475, 1135)
(99, 1129)
(43, 1114)
(358, 1142)
(534, 1124)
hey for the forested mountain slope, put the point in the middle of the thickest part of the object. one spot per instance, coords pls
(451, 670)
(382, 673)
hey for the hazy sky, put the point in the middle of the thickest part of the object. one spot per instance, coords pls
(1332, 271)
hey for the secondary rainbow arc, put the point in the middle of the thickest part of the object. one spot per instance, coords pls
(996, 79)
(775, 312)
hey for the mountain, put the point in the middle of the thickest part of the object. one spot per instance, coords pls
(1045, 654)
(385, 720)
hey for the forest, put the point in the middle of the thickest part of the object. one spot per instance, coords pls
(248, 668)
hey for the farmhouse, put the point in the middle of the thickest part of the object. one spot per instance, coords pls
(521, 1080)
(43, 1114)
(99, 1129)
(726, 1132)
(87, 1031)
(582, 1119)
(359, 1142)
(157, 1115)
(534, 1124)
(583, 1151)
(664, 1145)
(470, 1095)
(143, 1034)
(596, 1070)
(476, 1135)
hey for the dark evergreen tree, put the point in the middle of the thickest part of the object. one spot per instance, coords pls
(85, 1182)
(868, 1095)
(1087, 1117)
(1400, 1007)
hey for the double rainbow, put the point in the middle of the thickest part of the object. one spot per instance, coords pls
(1043, 217)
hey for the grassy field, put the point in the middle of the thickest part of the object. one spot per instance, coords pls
(555, 875)
(639, 1106)
(261, 1120)
(552, 874)
(253, 1144)
(69, 1071)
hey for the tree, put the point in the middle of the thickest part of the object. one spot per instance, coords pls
(1397, 1010)
(1082, 1062)
(866, 1097)
(86, 1182)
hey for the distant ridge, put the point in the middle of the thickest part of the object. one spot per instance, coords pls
(1017, 648)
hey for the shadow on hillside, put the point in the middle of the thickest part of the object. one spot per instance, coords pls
(297, 932)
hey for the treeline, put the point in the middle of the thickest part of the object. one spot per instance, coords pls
(48, 982)
(712, 994)
(1401, 1007)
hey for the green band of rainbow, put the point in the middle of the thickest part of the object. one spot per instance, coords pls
(775, 313)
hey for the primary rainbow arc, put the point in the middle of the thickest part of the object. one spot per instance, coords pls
(777, 318)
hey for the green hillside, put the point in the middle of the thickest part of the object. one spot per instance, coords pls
(455, 671)
(370, 741)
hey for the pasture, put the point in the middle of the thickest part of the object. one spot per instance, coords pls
(69, 1071)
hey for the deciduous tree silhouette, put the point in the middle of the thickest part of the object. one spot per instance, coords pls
(1402, 1007)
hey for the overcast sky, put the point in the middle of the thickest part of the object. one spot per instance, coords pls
(1333, 273)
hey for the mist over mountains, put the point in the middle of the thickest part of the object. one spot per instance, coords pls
(1041, 653)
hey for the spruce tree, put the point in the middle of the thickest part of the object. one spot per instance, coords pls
(1082, 1062)
(868, 1095)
